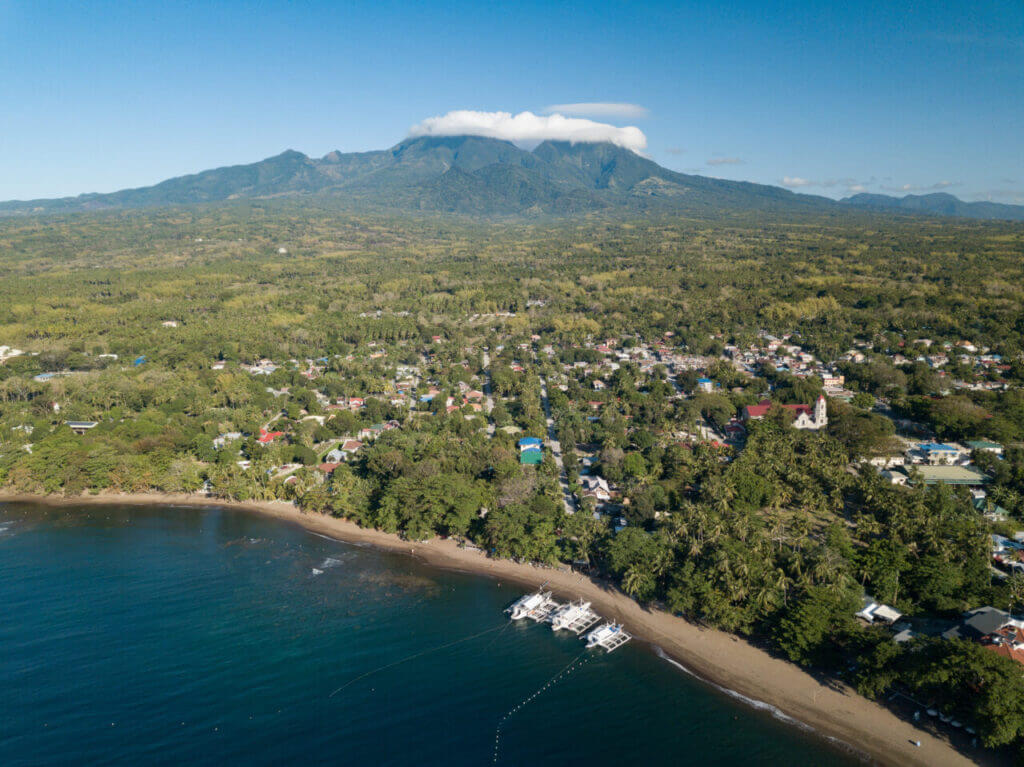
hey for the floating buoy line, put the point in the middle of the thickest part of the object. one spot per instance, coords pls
(575, 663)
(414, 656)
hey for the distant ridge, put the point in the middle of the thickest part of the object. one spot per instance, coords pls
(938, 204)
(459, 174)
(474, 175)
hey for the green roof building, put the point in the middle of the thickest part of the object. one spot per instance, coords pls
(981, 444)
(947, 475)
(531, 457)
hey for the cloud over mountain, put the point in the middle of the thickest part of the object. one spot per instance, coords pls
(527, 129)
(599, 109)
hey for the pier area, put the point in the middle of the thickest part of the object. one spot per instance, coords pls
(608, 636)
(537, 607)
(577, 617)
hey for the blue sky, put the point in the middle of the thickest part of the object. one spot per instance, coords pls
(894, 97)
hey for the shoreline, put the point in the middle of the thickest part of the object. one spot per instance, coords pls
(733, 666)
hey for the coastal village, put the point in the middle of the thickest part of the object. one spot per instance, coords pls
(566, 410)
(330, 417)
(528, 384)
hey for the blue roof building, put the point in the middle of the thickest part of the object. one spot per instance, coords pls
(937, 447)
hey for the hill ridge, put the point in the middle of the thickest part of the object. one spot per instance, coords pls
(477, 175)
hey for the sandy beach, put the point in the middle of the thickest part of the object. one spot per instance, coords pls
(831, 709)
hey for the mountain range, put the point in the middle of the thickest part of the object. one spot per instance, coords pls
(938, 204)
(484, 176)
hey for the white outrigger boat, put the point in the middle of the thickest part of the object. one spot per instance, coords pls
(576, 616)
(609, 636)
(536, 606)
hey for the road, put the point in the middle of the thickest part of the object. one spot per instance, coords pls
(489, 399)
(556, 449)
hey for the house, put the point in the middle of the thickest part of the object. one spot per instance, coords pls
(991, 510)
(531, 457)
(595, 487)
(530, 451)
(903, 632)
(807, 416)
(984, 446)
(979, 623)
(1007, 641)
(872, 611)
(947, 475)
(222, 439)
(893, 477)
(344, 451)
(81, 427)
(886, 461)
(705, 385)
(530, 443)
(734, 430)
(371, 432)
(328, 467)
(266, 437)
(939, 454)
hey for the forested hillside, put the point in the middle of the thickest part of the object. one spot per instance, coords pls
(461, 174)
(386, 370)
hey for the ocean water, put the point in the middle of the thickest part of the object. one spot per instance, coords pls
(169, 636)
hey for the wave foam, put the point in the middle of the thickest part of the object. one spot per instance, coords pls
(759, 705)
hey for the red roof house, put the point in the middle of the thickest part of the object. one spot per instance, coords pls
(266, 437)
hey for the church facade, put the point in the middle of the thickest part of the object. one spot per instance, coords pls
(810, 417)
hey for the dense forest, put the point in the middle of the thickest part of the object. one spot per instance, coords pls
(230, 349)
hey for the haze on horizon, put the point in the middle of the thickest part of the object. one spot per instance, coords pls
(826, 100)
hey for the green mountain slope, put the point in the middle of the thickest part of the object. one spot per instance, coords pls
(460, 174)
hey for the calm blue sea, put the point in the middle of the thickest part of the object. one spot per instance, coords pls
(142, 635)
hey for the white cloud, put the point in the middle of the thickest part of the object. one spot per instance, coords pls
(527, 129)
(851, 184)
(674, 150)
(725, 161)
(926, 188)
(599, 109)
